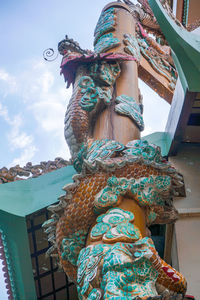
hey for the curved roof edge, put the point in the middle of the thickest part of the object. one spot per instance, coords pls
(24, 197)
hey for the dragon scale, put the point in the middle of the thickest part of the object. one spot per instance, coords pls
(99, 229)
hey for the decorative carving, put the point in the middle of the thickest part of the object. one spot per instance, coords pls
(128, 106)
(31, 171)
(147, 191)
(105, 75)
(88, 265)
(168, 9)
(115, 226)
(92, 89)
(96, 152)
(140, 161)
(72, 245)
(71, 62)
(131, 46)
(106, 23)
(99, 227)
(106, 42)
(143, 14)
(49, 54)
(7, 268)
(91, 94)
(68, 46)
(158, 56)
(154, 50)
(139, 171)
(128, 271)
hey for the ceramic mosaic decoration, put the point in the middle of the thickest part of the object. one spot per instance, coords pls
(99, 228)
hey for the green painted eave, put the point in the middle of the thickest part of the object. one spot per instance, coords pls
(24, 197)
(161, 139)
(15, 230)
(185, 46)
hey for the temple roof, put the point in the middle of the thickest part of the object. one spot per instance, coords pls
(31, 171)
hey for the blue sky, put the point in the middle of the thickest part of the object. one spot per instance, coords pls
(33, 97)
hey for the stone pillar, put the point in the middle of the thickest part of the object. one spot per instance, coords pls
(110, 124)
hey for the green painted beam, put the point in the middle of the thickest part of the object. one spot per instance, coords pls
(24, 197)
(161, 139)
(15, 230)
(185, 46)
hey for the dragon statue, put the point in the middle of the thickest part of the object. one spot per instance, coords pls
(99, 229)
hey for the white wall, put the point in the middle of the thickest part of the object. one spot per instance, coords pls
(187, 228)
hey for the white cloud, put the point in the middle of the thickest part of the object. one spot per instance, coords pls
(8, 84)
(50, 116)
(17, 138)
(46, 96)
(26, 155)
(42, 94)
(4, 113)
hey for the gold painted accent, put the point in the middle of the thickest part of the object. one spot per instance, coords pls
(139, 213)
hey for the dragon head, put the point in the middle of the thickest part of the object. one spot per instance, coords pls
(69, 46)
